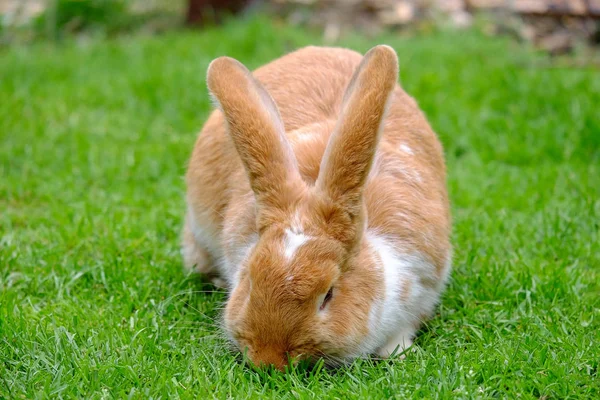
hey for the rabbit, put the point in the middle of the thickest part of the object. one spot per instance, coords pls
(316, 194)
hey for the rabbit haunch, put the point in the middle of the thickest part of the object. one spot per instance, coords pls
(317, 196)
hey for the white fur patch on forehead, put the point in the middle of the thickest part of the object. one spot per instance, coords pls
(292, 242)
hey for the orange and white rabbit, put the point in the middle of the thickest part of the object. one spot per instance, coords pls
(317, 196)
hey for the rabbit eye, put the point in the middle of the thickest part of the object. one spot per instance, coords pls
(327, 298)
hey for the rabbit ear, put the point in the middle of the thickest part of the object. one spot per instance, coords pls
(257, 130)
(352, 145)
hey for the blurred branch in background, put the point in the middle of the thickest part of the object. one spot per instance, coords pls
(201, 12)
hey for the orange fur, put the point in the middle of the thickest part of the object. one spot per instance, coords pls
(325, 142)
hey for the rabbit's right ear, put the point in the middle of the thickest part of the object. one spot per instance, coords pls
(352, 146)
(257, 131)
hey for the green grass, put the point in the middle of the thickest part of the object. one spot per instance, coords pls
(94, 141)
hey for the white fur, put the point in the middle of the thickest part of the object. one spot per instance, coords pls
(293, 241)
(393, 319)
(232, 263)
(410, 173)
(304, 137)
(228, 249)
(397, 343)
(446, 271)
(406, 149)
(203, 235)
(375, 167)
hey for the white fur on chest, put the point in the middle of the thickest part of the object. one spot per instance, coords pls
(395, 317)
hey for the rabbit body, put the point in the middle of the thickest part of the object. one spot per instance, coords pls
(317, 196)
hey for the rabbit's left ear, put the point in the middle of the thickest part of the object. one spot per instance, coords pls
(254, 124)
(352, 146)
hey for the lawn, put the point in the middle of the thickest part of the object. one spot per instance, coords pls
(94, 140)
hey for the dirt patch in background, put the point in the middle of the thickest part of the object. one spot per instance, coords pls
(553, 25)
